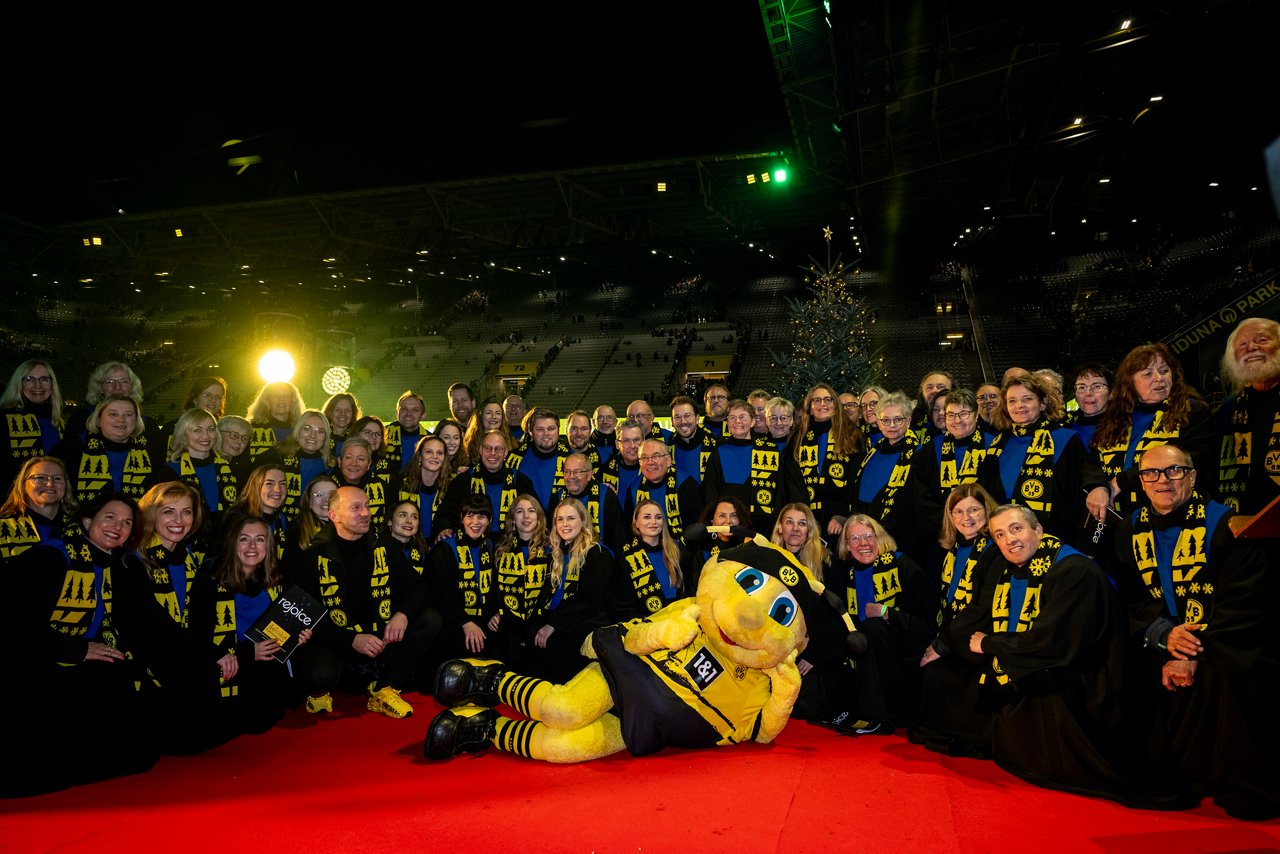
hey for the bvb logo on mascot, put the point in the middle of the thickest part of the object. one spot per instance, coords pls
(1032, 489)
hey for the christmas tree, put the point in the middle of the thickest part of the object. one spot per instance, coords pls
(830, 337)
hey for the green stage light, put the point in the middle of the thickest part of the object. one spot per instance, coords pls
(780, 176)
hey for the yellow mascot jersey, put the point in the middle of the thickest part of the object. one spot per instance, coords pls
(688, 697)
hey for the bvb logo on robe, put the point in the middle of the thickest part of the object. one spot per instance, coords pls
(1195, 611)
(837, 471)
(653, 604)
(1272, 463)
(1032, 489)
(762, 497)
(469, 598)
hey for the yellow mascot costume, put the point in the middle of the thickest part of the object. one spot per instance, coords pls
(716, 669)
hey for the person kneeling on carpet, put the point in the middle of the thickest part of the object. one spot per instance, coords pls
(716, 669)
(379, 624)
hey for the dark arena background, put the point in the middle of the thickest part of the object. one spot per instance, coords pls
(599, 204)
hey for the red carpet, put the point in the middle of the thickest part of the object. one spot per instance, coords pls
(356, 781)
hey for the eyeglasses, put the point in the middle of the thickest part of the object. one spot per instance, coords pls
(893, 420)
(862, 538)
(1092, 387)
(30, 380)
(960, 512)
(311, 428)
(371, 434)
(120, 383)
(1170, 473)
(46, 479)
(962, 415)
(871, 405)
(779, 419)
(243, 437)
(717, 397)
(644, 457)
(989, 396)
(822, 401)
(577, 472)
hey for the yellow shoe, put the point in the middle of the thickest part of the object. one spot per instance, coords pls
(387, 701)
(320, 705)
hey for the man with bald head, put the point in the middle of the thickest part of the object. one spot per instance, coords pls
(1249, 472)
(514, 409)
(603, 437)
(642, 413)
(603, 507)
(379, 620)
(1199, 597)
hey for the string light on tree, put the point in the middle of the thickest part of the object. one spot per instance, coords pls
(830, 335)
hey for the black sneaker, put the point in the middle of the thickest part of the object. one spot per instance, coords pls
(469, 729)
(468, 682)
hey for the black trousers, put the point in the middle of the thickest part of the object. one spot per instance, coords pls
(322, 668)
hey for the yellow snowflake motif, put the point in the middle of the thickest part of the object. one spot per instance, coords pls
(1180, 590)
(1039, 566)
(1195, 587)
(1208, 589)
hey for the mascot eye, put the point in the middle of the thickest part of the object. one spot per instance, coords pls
(750, 578)
(783, 610)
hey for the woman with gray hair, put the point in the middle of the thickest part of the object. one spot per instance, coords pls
(883, 487)
(894, 607)
(106, 379)
(780, 416)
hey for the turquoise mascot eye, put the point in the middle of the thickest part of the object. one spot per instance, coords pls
(750, 578)
(783, 610)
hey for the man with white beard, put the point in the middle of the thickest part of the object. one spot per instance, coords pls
(1249, 464)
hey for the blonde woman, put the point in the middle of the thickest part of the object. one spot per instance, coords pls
(573, 602)
(650, 572)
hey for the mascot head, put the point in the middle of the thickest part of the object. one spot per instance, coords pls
(754, 599)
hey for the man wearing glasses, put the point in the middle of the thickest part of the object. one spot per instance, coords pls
(1199, 596)
(603, 507)
(716, 399)
(692, 444)
(659, 481)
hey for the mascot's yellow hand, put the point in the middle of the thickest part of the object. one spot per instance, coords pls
(674, 627)
(784, 680)
(784, 684)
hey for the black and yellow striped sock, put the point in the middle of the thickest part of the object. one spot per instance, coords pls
(516, 737)
(523, 693)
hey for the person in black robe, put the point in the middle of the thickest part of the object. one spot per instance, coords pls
(1048, 629)
(1204, 621)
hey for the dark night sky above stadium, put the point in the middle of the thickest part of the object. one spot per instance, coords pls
(106, 122)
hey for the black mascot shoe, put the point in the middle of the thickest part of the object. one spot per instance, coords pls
(468, 682)
(454, 731)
